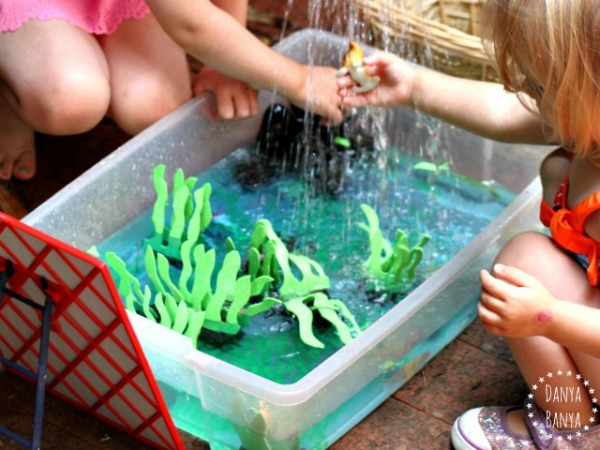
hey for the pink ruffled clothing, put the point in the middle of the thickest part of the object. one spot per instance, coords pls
(93, 16)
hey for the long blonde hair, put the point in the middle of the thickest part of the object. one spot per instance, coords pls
(550, 50)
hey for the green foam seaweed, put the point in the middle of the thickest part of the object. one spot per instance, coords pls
(189, 215)
(186, 293)
(391, 267)
(186, 311)
(299, 282)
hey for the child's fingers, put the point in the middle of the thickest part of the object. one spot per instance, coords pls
(490, 319)
(345, 82)
(494, 286)
(492, 303)
(244, 102)
(514, 276)
(379, 57)
(225, 104)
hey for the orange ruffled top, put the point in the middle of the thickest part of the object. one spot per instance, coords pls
(567, 227)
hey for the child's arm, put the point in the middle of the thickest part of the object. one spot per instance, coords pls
(515, 304)
(481, 107)
(238, 9)
(234, 98)
(217, 39)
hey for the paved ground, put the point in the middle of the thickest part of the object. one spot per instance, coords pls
(476, 369)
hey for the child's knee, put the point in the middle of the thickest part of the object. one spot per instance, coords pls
(143, 105)
(526, 250)
(73, 103)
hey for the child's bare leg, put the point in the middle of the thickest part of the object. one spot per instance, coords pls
(537, 356)
(149, 74)
(55, 81)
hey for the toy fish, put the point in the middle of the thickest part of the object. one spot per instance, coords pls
(352, 64)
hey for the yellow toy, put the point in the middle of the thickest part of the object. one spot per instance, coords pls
(352, 64)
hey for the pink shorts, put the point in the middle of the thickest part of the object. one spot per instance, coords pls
(93, 16)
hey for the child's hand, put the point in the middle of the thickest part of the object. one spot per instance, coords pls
(395, 87)
(235, 99)
(319, 93)
(514, 304)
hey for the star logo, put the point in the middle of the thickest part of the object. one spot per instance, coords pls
(547, 382)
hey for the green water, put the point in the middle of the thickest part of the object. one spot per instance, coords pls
(448, 207)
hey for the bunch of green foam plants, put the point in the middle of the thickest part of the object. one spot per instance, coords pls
(391, 267)
(187, 294)
(190, 212)
(191, 303)
(300, 283)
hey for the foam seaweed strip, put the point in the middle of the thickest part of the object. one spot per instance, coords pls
(202, 215)
(467, 186)
(241, 296)
(379, 246)
(253, 261)
(128, 284)
(260, 285)
(171, 306)
(178, 220)
(225, 291)
(300, 296)
(261, 307)
(205, 265)
(189, 217)
(391, 267)
(428, 166)
(305, 319)
(187, 268)
(163, 313)
(194, 326)
(205, 211)
(179, 181)
(330, 310)
(313, 276)
(146, 304)
(160, 205)
(163, 272)
(151, 270)
(181, 318)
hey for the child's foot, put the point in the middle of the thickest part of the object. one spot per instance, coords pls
(17, 146)
(499, 428)
(492, 428)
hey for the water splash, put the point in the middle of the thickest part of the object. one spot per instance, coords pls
(349, 22)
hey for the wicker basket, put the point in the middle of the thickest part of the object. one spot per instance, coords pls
(442, 34)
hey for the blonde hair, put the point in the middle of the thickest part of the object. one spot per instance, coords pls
(550, 50)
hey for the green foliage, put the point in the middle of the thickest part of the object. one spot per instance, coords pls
(174, 305)
(189, 214)
(302, 294)
(194, 296)
(391, 267)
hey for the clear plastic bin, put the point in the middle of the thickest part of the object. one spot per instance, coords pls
(228, 406)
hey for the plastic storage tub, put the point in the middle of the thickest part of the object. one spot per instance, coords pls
(230, 407)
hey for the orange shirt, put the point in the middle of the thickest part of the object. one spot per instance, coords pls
(567, 227)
